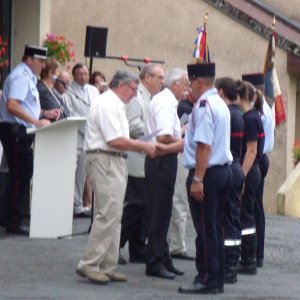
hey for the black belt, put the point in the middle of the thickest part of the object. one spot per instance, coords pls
(112, 153)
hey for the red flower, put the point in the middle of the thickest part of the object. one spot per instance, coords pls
(59, 48)
(3, 51)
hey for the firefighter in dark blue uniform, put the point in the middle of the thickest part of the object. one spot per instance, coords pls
(232, 226)
(252, 151)
(258, 81)
(207, 156)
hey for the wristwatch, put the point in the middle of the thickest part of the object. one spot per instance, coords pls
(197, 179)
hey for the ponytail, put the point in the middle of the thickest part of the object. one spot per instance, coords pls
(253, 93)
(241, 90)
(259, 101)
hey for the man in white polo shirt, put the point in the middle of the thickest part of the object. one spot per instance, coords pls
(106, 140)
(161, 172)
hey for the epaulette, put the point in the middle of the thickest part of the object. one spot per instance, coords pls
(202, 103)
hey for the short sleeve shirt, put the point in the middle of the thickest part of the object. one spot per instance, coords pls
(209, 124)
(254, 132)
(237, 131)
(20, 85)
(106, 121)
(267, 120)
(162, 115)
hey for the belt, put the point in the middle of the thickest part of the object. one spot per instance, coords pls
(112, 153)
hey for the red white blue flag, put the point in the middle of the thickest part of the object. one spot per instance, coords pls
(201, 52)
(272, 87)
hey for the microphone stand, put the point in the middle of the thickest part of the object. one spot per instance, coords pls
(90, 227)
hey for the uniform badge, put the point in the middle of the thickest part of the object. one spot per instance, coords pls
(202, 103)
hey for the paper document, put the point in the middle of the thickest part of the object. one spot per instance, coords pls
(184, 119)
(149, 136)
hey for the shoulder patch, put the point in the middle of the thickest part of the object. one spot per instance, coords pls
(202, 103)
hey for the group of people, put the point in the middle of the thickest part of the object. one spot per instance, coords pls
(228, 135)
(29, 102)
(128, 154)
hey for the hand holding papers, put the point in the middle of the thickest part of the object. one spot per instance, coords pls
(184, 119)
(149, 136)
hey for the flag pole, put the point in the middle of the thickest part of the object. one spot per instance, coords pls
(206, 17)
(273, 24)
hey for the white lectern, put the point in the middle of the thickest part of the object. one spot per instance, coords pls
(53, 178)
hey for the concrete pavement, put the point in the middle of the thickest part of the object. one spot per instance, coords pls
(45, 269)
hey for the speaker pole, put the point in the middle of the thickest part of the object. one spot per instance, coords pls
(91, 65)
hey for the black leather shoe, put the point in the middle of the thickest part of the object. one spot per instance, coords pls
(172, 269)
(183, 255)
(260, 263)
(230, 275)
(197, 288)
(121, 260)
(162, 273)
(21, 230)
(221, 290)
(137, 260)
(247, 268)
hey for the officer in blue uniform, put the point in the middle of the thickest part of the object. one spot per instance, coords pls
(232, 226)
(250, 101)
(20, 109)
(258, 80)
(207, 156)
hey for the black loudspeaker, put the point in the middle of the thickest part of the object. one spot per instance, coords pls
(95, 41)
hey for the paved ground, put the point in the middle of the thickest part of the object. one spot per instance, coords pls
(45, 269)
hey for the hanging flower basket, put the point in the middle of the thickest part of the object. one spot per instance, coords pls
(296, 152)
(4, 62)
(59, 48)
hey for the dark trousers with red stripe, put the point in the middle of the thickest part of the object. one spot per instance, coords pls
(249, 241)
(259, 213)
(232, 224)
(17, 149)
(207, 219)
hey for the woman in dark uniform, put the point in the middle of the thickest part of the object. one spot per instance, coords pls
(227, 89)
(250, 101)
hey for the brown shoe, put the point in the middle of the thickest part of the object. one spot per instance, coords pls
(116, 277)
(95, 277)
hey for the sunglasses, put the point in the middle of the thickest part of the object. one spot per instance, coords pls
(62, 82)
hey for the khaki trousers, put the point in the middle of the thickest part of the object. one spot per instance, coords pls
(176, 233)
(109, 178)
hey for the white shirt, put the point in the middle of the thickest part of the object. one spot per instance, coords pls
(106, 121)
(267, 120)
(162, 115)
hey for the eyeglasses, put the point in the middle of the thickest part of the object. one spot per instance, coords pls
(134, 89)
(62, 82)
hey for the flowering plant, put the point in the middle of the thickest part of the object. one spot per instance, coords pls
(296, 151)
(59, 48)
(4, 62)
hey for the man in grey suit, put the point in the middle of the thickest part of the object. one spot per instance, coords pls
(80, 95)
(133, 227)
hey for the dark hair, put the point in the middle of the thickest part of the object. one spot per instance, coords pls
(94, 75)
(228, 86)
(252, 91)
(78, 66)
(242, 90)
